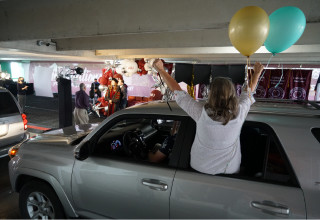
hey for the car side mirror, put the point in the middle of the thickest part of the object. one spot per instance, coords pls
(82, 151)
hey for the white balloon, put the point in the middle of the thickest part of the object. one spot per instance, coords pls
(131, 67)
(101, 87)
(151, 61)
(147, 67)
(124, 62)
(120, 69)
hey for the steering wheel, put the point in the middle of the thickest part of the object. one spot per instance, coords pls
(134, 145)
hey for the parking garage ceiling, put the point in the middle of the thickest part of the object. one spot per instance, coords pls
(178, 30)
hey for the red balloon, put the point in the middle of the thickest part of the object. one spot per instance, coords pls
(155, 95)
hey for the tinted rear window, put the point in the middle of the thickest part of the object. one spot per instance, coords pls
(7, 104)
(316, 133)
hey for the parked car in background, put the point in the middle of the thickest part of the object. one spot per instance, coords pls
(106, 172)
(13, 122)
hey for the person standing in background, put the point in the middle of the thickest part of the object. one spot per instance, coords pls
(81, 105)
(113, 97)
(95, 91)
(22, 91)
(123, 95)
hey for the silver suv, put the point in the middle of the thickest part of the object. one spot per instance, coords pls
(13, 123)
(105, 171)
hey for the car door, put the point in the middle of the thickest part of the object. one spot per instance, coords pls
(266, 188)
(112, 185)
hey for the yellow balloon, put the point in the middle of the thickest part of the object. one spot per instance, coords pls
(248, 29)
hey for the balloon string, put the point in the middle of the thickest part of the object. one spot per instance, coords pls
(250, 73)
(247, 75)
(247, 69)
(280, 77)
(264, 71)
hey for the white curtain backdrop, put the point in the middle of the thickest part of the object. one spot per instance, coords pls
(42, 81)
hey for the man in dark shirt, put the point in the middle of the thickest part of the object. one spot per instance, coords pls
(81, 105)
(22, 91)
(95, 91)
(123, 94)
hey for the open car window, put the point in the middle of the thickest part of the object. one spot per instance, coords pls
(139, 139)
(263, 158)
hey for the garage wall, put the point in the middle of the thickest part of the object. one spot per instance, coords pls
(5, 67)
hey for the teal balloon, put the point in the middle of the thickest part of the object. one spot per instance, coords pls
(286, 27)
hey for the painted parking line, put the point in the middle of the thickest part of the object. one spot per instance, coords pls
(39, 128)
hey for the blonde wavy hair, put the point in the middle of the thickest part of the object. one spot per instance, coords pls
(223, 103)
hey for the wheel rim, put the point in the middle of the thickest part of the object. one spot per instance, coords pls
(39, 206)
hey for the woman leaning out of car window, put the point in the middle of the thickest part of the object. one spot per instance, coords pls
(216, 147)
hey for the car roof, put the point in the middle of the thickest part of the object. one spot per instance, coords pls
(2, 89)
(156, 107)
(269, 107)
(287, 107)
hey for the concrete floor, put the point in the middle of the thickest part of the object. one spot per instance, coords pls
(44, 112)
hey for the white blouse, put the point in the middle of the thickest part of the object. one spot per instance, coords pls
(216, 147)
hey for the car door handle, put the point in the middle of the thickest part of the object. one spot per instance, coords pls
(271, 207)
(155, 184)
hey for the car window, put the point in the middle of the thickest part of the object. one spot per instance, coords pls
(316, 133)
(139, 139)
(7, 104)
(263, 158)
(275, 168)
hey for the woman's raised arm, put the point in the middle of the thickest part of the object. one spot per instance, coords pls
(257, 68)
(172, 84)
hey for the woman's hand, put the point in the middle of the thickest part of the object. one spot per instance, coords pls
(171, 83)
(258, 67)
(158, 65)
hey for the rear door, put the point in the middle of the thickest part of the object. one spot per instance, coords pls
(266, 187)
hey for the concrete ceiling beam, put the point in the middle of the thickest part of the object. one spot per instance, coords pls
(34, 19)
(196, 38)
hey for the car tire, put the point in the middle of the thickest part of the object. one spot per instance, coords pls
(38, 200)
